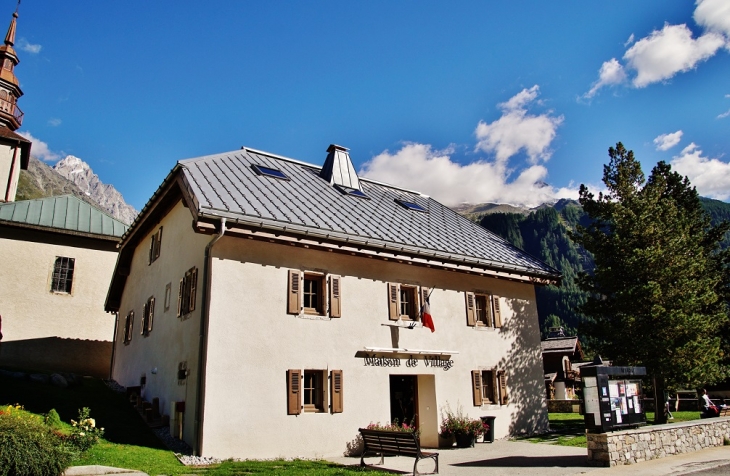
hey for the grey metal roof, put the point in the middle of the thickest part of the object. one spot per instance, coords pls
(65, 212)
(225, 185)
(559, 344)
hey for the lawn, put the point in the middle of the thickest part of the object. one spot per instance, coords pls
(568, 429)
(128, 442)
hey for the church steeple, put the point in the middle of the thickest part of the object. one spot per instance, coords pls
(10, 114)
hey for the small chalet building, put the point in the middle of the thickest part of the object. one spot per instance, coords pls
(274, 307)
(57, 257)
(562, 357)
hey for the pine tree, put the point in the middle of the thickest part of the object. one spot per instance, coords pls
(658, 292)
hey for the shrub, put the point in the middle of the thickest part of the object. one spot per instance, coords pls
(52, 419)
(394, 426)
(29, 447)
(454, 423)
(84, 433)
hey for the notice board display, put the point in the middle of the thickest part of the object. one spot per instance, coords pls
(612, 397)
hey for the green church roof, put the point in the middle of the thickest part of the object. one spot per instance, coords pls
(64, 213)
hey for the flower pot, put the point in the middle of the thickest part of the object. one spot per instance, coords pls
(464, 440)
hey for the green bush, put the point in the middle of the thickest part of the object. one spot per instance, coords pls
(52, 419)
(29, 447)
(84, 433)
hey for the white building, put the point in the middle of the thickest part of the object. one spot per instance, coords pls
(282, 306)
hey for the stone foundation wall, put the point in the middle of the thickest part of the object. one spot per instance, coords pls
(652, 442)
(564, 406)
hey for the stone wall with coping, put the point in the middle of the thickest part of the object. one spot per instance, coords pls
(653, 442)
(564, 406)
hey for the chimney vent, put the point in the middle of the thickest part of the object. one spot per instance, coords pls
(338, 168)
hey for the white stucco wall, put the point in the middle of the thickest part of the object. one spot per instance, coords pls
(30, 311)
(6, 161)
(172, 340)
(252, 343)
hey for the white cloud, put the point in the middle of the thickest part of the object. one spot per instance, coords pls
(611, 73)
(54, 122)
(669, 51)
(710, 176)
(630, 40)
(40, 149)
(420, 167)
(714, 15)
(667, 141)
(23, 45)
(517, 130)
(724, 114)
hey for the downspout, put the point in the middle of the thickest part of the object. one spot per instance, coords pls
(12, 171)
(114, 345)
(203, 343)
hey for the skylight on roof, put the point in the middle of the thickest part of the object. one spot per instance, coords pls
(355, 192)
(410, 205)
(269, 172)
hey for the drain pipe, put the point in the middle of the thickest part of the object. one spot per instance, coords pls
(203, 340)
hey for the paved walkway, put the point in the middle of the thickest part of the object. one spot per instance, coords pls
(97, 470)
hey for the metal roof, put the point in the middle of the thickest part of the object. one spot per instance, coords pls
(225, 185)
(63, 213)
(559, 344)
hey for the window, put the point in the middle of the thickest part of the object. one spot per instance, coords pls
(410, 205)
(63, 275)
(405, 301)
(187, 292)
(483, 310)
(168, 293)
(155, 244)
(308, 391)
(128, 326)
(355, 192)
(147, 316)
(269, 172)
(314, 294)
(489, 387)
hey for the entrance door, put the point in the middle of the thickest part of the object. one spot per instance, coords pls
(404, 399)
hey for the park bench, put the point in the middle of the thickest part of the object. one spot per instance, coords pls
(394, 443)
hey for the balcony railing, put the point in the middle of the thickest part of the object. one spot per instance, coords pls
(13, 109)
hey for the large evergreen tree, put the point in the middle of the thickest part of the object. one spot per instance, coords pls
(658, 290)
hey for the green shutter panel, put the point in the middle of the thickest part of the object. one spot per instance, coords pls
(393, 301)
(470, 310)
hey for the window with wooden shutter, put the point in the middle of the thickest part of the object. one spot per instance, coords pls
(335, 289)
(337, 389)
(424, 297)
(409, 302)
(294, 296)
(476, 387)
(151, 313)
(159, 243)
(470, 310)
(494, 397)
(143, 327)
(503, 387)
(294, 391)
(128, 327)
(393, 301)
(497, 311)
(193, 288)
(180, 297)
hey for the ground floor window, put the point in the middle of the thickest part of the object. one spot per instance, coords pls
(63, 275)
(489, 387)
(314, 391)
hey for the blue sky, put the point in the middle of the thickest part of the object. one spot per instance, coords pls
(511, 102)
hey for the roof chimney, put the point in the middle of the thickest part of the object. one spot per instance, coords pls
(338, 169)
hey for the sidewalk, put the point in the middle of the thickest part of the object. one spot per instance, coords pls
(96, 470)
(533, 459)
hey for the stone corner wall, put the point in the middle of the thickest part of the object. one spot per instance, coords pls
(653, 442)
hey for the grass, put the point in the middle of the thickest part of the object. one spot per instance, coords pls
(129, 443)
(568, 429)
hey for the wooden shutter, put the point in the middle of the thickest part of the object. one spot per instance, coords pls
(335, 289)
(497, 311)
(470, 310)
(294, 296)
(424, 296)
(476, 387)
(337, 387)
(503, 387)
(143, 327)
(158, 244)
(294, 392)
(193, 288)
(324, 385)
(393, 301)
(151, 310)
(495, 386)
(180, 297)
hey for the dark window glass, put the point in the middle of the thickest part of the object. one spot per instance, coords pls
(313, 298)
(410, 205)
(269, 172)
(63, 275)
(355, 192)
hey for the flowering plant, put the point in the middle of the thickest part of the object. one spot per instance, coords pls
(84, 433)
(456, 423)
(394, 426)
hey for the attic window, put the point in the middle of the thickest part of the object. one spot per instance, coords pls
(355, 192)
(269, 172)
(410, 205)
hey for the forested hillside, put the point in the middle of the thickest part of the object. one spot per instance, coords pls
(544, 234)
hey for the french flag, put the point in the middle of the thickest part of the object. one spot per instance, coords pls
(426, 318)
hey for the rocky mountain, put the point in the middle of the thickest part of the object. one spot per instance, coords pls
(72, 176)
(109, 199)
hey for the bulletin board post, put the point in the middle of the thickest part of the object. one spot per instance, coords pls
(613, 398)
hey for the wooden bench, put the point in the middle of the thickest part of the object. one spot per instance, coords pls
(394, 443)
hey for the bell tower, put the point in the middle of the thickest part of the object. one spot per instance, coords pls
(14, 148)
(10, 114)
